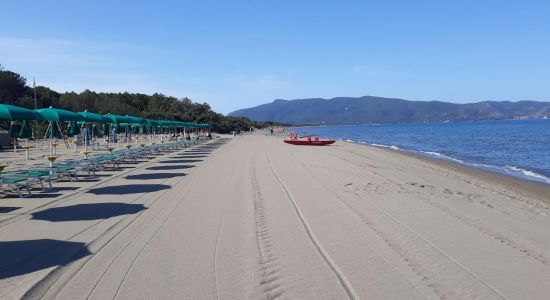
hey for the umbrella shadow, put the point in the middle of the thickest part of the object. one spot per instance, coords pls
(27, 256)
(190, 156)
(82, 212)
(7, 209)
(128, 189)
(154, 176)
(171, 167)
(180, 161)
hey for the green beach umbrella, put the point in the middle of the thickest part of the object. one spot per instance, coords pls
(117, 119)
(10, 112)
(135, 120)
(90, 117)
(26, 130)
(59, 115)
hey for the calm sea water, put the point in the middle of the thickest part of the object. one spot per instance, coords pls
(517, 148)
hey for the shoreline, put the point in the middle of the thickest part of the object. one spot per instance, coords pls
(527, 187)
(460, 164)
(517, 160)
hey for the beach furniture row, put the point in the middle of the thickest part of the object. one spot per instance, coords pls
(23, 181)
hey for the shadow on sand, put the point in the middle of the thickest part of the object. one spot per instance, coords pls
(128, 189)
(92, 211)
(154, 176)
(179, 161)
(7, 209)
(172, 167)
(23, 257)
(190, 156)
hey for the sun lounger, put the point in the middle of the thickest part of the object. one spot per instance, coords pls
(59, 170)
(17, 182)
(41, 175)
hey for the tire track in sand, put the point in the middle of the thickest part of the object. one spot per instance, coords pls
(369, 224)
(344, 282)
(268, 262)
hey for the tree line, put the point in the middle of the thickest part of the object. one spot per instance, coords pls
(15, 91)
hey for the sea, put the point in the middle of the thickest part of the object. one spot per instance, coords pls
(519, 148)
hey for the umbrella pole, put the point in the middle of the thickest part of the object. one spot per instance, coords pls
(45, 137)
(86, 139)
(93, 142)
(14, 139)
(63, 135)
(51, 138)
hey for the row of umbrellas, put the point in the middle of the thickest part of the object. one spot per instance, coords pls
(13, 113)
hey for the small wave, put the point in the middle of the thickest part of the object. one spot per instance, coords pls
(386, 146)
(528, 173)
(442, 156)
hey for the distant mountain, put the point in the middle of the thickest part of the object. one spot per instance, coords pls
(369, 109)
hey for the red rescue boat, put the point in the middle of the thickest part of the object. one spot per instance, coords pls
(307, 140)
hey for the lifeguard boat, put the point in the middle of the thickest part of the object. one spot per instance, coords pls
(307, 140)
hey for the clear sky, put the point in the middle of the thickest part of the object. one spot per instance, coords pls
(236, 54)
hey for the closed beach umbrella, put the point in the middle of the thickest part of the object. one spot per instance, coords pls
(14, 130)
(119, 128)
(10, 112)
(106, 129)
(26, 130)
(74, 129)
(95, 131)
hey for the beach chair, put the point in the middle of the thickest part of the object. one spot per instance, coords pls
(83, 165)
(40, 175)
(15, 183)
(59, 170)
(100, 161)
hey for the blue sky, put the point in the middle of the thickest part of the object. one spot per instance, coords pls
(238, 54)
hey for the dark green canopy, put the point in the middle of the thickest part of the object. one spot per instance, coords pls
(10, 112)
(117, 119)
(135, 120)
(90, 117)
(59, 115)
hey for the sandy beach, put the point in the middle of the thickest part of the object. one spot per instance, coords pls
(253, 218)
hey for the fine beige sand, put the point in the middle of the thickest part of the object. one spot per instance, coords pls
(253, 218)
